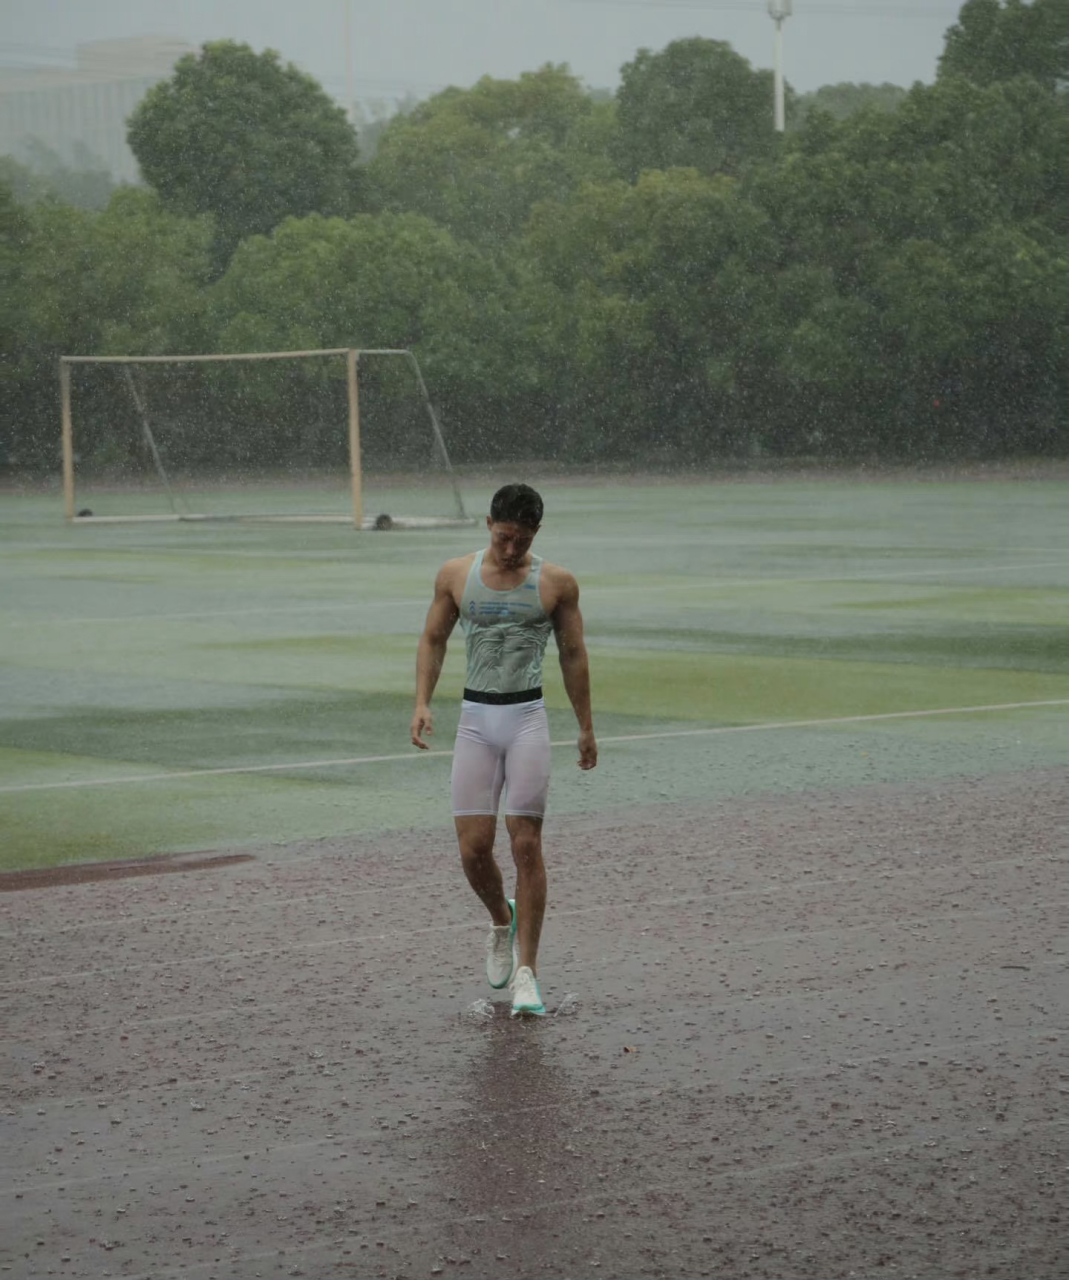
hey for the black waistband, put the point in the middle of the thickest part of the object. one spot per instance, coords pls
(503, 699)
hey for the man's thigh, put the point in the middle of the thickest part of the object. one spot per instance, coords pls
(478, 766)
(527, 764)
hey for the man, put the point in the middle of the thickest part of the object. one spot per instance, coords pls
(508, 601)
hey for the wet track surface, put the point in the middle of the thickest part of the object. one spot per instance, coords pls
(816, 1035)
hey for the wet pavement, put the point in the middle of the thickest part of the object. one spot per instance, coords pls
(804, 1036)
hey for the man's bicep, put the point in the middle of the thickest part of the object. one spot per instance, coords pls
(443, 614)
(441, 618)
(568, 623)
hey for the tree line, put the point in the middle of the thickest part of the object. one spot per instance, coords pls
(651, 277)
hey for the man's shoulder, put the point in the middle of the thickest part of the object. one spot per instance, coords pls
(463, 561)
(559, 582)
(557, 572)
(456, 569)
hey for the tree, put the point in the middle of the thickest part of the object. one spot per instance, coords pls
(148, 273)
(476, 160)
(954, 159)
(932, 236)
(20, 184)
(975, 336)
(382, 280)
(844, 99)
(14, 236)
(44, 176)
(647, 306)
(992, 41)
(129, 280)
(238, 135)
(696, 104)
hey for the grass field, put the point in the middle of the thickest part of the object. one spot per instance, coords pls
(213, 686)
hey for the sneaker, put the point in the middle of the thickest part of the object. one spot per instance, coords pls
(526, 998)
(501, 951)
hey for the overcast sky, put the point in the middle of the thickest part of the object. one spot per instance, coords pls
(418, 46)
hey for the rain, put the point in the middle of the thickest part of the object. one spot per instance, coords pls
(767, 301)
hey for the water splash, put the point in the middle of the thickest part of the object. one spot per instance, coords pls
(479, 1011)
(569, 1004)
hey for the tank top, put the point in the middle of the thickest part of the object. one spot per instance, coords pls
(505, 632)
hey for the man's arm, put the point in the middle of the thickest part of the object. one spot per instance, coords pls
(441, 619)
(568, 626)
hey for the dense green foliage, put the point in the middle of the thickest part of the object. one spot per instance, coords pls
(477, 160)
(43, 175)
(994, 41)
(842, 100)
(652, 278)
(238, 135)
(696, 104)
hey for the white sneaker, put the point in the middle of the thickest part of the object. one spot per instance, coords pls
(526, 998)
(501, 951)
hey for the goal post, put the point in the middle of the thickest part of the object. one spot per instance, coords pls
(219, 418)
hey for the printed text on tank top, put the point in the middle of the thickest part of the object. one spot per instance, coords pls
(506, 630)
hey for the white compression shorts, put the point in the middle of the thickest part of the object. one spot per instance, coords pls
(501, 748)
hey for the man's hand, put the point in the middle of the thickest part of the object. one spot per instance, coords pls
(588, 749)
(422, 723)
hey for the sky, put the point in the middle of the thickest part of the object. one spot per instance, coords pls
(415, 47)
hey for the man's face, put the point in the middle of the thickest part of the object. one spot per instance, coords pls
(510, 542)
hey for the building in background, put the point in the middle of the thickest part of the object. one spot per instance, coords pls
(80, 113)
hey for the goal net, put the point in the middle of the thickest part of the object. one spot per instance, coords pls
(328, 435)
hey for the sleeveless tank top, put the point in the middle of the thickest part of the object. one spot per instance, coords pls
(505, 632)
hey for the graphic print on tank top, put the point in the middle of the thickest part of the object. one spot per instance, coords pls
(505, 632)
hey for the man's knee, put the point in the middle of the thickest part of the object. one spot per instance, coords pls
(527, 846)
(476, 854)
(475, 837)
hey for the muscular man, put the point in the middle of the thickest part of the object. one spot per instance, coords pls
(508, 601)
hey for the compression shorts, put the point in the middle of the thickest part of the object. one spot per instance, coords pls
(501, 747)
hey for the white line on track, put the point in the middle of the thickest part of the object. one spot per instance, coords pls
(708, 731)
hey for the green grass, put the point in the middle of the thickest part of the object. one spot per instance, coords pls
(139, 650)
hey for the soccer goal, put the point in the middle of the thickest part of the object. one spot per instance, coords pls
(336, 435)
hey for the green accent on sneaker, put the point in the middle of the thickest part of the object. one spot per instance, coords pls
(530, 1005)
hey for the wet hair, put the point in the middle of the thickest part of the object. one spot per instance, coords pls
(517, 504)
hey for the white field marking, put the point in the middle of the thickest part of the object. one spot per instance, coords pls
(719, 584)
(710, 731)
(182, 916)
(365, 939)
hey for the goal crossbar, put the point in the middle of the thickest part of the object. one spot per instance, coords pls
(239, 355)
(352, 356)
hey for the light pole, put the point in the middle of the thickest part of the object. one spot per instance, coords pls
(350, 95)
(779, 10)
